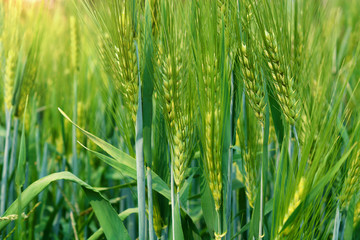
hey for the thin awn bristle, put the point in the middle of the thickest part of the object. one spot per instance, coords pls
(80, 121)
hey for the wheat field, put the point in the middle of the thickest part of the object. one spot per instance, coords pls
(162, 119)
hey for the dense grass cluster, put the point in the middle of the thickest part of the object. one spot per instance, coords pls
(225, 119)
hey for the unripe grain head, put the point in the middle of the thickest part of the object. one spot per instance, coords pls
(9, 80)
(283, 83)
(253, 83)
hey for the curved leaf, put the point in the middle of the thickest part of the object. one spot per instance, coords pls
(123, 215)
(110, 222)
(110, 149)
(157, 183)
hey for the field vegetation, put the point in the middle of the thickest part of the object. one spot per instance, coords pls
(225, 119)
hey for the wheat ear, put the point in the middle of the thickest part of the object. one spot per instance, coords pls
(282, 82)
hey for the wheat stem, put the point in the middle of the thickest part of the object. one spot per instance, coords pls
(230, 158)
(43, 170)
(261, 193)
(265, 163)
(4, 177)
(73, 225)
(140, 172)
(172, 198)
(337, 222)
(74, 160)
(150, 203)
(13, 157)
(218, 234)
